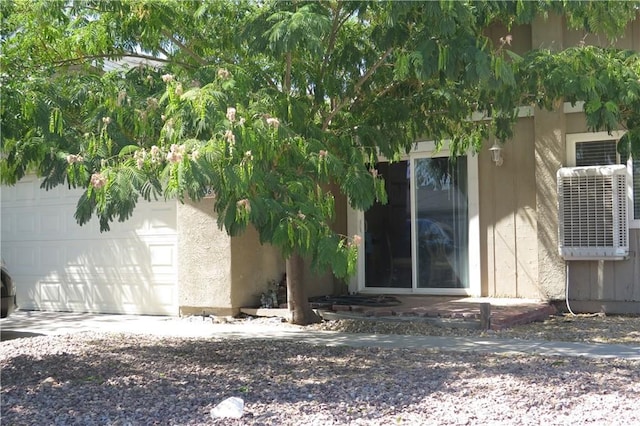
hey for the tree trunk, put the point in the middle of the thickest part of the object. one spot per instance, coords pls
(299, 308)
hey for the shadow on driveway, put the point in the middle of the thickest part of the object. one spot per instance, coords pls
(10, 335)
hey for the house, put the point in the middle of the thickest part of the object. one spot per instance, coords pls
(497, 224)
(473, 227)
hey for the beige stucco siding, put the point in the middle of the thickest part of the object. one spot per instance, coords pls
(608, 281)
(608, 285)
(549, 130)
(508, 219)
(253, 267)
(611, 286)
(520, 37)
(217, 273)
(629, 40)
(220, 274)
(204, 261)
(518, 217)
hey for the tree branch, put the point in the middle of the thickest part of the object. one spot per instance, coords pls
(116, 55)
(184, 47)
(335, 27)
(287, 75)
(357, 87)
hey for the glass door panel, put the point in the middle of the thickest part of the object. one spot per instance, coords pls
(388, 232)
(442, 223)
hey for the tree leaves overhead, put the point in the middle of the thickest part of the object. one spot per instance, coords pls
(270, 104)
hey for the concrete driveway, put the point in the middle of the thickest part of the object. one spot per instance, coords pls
(35, 323)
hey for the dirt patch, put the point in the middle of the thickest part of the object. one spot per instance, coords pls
(579, 328)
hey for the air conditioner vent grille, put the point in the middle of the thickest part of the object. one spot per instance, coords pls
(593, 212)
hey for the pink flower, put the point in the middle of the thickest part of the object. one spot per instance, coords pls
(140, 156)
(374, 173)
(229, 136)
(106, 120)
(273, 122)
(98, 181)
(176, 153)
(72, 159)
(506, 39)
(122, 96)
(156, 154)
(357, 240)
(244, 204)
(167, 78)
(152, 103)
(223, 74)
(323, 154)
(231, 114)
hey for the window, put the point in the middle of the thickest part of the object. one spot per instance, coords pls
(599, 149)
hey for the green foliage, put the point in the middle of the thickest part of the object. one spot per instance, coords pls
(607, 80)
(276, 106)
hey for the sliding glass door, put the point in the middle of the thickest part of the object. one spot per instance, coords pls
(441, 222)
(419, 242)
(388, 260)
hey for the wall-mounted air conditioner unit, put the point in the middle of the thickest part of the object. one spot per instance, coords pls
(592, 213)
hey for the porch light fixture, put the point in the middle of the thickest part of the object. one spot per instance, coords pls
(496, 153)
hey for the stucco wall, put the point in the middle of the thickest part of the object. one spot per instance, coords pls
(219, 274)
(520, 37)
(518, 218)
(549, 130)
(204, 261)
(509, 245)
(596, 285)
(253, 266)
(608, 286)
(324, 283)
(216, 273)
(518, 202)
(629, 40)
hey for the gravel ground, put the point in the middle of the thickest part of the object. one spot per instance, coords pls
(579, 328)
(120, 379)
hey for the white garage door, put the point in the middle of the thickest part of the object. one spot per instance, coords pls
(61, 266)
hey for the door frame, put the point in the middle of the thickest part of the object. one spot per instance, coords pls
(355, 225)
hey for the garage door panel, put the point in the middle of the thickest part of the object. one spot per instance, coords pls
(51, 225)
(50, 292)
(25, 190)
(161, 219)
(8, 221)
(139, 254)
(27, 224)
(162, 256)
(25, 257)
(27, 291)
(132, 294)
(107, 297)
(165, 294)
(77, 294)
(160, 294)
(58, 265)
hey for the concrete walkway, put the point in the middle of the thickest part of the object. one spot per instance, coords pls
(31, 323)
